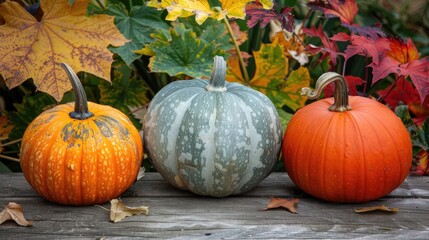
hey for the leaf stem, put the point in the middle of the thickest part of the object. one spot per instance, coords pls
(381, 98)
(10, 143)
(9, 158)
(100, 4)
(237, 49)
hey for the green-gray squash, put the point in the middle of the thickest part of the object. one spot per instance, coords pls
(213, 138)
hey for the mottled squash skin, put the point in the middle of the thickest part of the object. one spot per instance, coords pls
(81, 162)
(212, 140)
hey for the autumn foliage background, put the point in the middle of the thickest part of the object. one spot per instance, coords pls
(126, 51)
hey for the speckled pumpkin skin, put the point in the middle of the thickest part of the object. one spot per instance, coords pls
(81, 162)
(212, 143)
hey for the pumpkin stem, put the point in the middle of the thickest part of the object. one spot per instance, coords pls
(341, 92)
(217, 79)
(81, 111)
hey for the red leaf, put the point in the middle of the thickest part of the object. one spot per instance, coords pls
(329, 48)
(403, 52)
(264, 16)
(421, 161)
(363, 46)
(352, 82)
(403, 92)
(373, 32)
(417, 70)
(346, 10)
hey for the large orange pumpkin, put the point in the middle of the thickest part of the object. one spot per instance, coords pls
(81, 153)
(346, 149)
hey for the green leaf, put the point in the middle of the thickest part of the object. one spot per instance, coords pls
(404, 114)
(4, 168)
(284, 118)
(136, 25)
(421, 138)
(27, 111)
(297, 79)
(125, 92)
(183, 53)
(211, 31)
(419, 134)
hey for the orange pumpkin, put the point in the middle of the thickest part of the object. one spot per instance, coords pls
(346, 153)
(81, 153)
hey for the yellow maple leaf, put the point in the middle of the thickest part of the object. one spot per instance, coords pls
(270, 77)
(271, 65)
(202, 9)
(236, 9)
(35, 49)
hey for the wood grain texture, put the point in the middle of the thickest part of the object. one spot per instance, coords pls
(182, 215)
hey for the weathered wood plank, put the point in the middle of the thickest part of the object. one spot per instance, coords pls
(182, 215)
(225, 218)
(277, 184)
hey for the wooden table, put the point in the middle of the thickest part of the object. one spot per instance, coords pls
(182, 215)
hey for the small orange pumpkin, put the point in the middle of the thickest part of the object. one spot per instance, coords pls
(81, 153)
(346, 153)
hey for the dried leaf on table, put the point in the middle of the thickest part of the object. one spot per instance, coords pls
(14, 212)
(119, 211)
(376, 208)
(289, 204)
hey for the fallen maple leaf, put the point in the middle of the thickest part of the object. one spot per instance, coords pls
(288, 204)
(15, 212)
(119, 211)
(376, 208)
(34, 49)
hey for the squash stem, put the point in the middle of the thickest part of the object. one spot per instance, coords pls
(217, 79)
(81, 111)
(341, 92)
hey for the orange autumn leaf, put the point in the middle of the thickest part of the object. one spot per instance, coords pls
(5, 128)
(376, 208)
(288, 204)
(233, 73)
(34, 49)
(292, 46)
(14, 212)
(403, 52)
